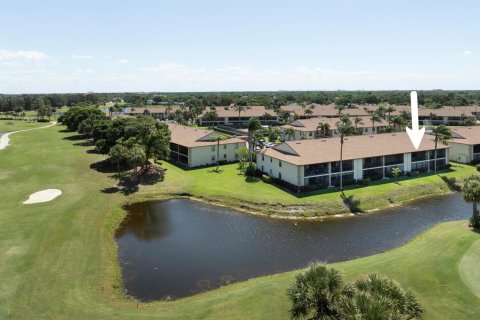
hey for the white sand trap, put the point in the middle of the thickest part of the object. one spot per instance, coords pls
(43, 196)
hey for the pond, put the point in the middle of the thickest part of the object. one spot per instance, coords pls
(179, 247)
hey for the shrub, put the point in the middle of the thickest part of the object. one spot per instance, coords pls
(252, 171)
(478, 167)
(365, 181)
(266, 179)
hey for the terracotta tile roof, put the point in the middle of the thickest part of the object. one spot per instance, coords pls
(312, 123)
(466, 135)
(157, 109)
(441, 112)
(196, 137)
(326, 110)
(313, 151)
(253, 111)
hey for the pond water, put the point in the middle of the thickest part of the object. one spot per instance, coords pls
(176, 248)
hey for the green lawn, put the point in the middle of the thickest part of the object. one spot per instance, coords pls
(58, 259)
(231, 188)
(15, 125)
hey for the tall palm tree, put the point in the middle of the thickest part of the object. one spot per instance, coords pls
(324, 128)
(357, 121)
(118, 153)
(442, 133)
(290, 133)
(218, 139)
(340, 108)
(253, 126)
(471, 193)
(318, 292)
(398, 123)
(432, 116)
(308, 112)
(344, 128)
(240, 109)
(389, 109)
(375, 117)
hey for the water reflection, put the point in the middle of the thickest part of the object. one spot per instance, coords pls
(178, 247)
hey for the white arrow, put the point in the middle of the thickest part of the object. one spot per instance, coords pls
(415, 133)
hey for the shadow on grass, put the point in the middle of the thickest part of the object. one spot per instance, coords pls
(215, 170)
(351, 203)
(252, 179)
(104, 166)
(451, 183)
(130, 182)
(75, 137)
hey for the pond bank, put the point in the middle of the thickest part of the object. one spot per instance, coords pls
(179, 247)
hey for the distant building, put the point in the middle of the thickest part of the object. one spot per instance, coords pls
(316, 162)
(465, 145)
(227, 115)
(308, 128)
(195, 147)
(156, 112)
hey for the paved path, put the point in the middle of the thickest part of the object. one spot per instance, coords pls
(5, 140)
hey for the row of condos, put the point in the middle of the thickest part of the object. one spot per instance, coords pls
(317, 162)
(312, 128)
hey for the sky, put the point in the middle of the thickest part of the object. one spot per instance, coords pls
(116, 46)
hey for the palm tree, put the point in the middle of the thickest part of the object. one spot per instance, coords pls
(375, 117)
(324, 128)
(344, 128)
(462, 117)
(389, 109)
(432, 116)
(398, 123)
(318, 292)
(167, 111)
(357, 121)
(218, 139)
(381, 298)
(290, 132)
(253, 126)
(273, 133)
(339, 108)
(308, 112)
(471, 193)
(118, 153)
(321, 293)
(442, 133)
(240, 109)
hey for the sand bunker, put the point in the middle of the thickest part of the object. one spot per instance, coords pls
(43, 196)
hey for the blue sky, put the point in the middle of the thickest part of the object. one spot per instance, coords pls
(78, 46)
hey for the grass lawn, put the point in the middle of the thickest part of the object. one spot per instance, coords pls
(58, 259)
(15, 125)
(229, 187)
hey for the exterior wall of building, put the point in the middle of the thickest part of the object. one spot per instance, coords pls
(207, 155)
(459, 152)
(297, 176)
(280, 170)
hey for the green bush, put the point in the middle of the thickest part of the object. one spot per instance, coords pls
(267, 179)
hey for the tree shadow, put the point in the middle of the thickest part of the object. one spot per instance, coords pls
(451, 183)
(110, 190)
(220, 170)
(86, 143)
(75, 137)
(104, 166)
(252, 179)
(351, 203)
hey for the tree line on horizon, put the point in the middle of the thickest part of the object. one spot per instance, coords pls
(273, 99)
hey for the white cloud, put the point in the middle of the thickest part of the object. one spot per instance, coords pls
(123, 61)
(467, 52)
(27, 55)
(81, 57)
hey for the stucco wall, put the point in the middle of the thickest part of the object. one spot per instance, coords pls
(290, 173)
(460, 152)
(207, 155)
